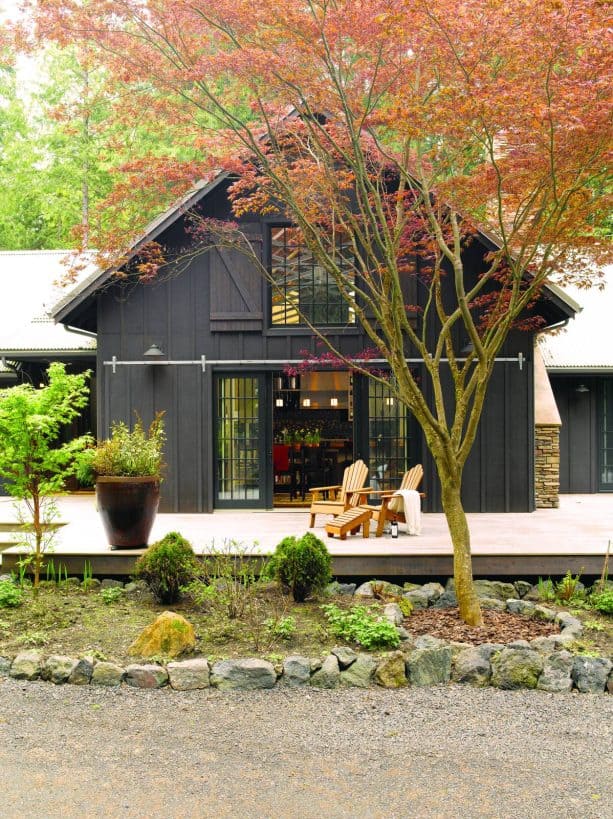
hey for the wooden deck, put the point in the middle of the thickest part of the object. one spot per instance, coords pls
(545, 542)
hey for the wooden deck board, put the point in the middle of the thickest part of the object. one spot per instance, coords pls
(545, 542)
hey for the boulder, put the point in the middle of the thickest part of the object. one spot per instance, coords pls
(514, 668)
(489, 649)
(336, 588)
(27, 665)
(471, 666)
(492, 603)
(328, 675)
(136, 588)
(58, 668)
(146, 676)
(494, 589)
(556, 676)
(546, 645)
(169, 635)
(590, 674)
(447, 600)
(5, 666)
(189, 675)
(393, 613)
(360, 673)
(569, 623)
(82, 672)
(522, 587)
(419, 598)
(111, 583)
(429, 641)
(429, 666)
(433, 590)
(610, 683)
(544, 613)
(296, 671)
(346, 656)
(520, 607)
(107, 674)
(245, 675)
(365, 590)
(391, 671)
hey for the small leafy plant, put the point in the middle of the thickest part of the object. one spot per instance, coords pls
(10, 595)
(546, 590)
(167, 566)
(363, 625)
(568, 588)
(302, 565)
(603, 602)
(282, 629)
(111, 595)
(135, 453)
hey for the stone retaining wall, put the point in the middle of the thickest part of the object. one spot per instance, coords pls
(543, 663)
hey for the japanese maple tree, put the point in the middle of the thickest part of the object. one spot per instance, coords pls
(402, 126)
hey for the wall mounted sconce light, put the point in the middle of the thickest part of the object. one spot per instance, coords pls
(154, 352)
(278, 402)
(334, 402)
(389, 402)
(582, 388)
(306, 402)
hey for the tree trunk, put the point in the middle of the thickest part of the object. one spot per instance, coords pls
(38, 537)
(470, 610)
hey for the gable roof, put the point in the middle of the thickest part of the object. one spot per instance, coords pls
(28, 291)
(88, 287)
(587, 344)
(155, 228)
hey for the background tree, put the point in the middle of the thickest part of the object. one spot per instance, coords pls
(418, 122)
(33, 463)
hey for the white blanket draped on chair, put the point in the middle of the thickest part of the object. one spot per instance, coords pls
(411, 504)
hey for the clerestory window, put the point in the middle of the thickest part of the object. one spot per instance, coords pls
(302, 288)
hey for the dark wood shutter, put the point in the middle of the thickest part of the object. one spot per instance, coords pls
(237, 290)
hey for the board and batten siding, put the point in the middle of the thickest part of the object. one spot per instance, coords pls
(185, 316)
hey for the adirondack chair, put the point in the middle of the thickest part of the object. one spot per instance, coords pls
(391, 507)
(333, 500)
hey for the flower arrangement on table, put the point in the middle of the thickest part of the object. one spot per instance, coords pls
(304, 435)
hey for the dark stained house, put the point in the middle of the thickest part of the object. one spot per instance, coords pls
(579, 361)
(209, 347)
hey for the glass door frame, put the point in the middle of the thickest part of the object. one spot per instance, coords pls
(605, 402)
(264, 447)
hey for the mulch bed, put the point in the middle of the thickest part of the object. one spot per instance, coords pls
(498, 626)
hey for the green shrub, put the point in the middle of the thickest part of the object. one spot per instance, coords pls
(302, 565)
(10, 595)
(603, 602)
(166, 566)
(362, 625)
(136, 453)
(111, 595)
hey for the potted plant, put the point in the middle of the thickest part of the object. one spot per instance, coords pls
(127, 470)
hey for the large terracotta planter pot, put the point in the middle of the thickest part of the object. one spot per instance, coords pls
(128, 507)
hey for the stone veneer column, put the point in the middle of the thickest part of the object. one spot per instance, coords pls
(547, 466)
(547, 424)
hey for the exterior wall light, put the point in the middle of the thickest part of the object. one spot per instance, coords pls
(306, 402)
(334, 402)
(154, 352)
(278, 402)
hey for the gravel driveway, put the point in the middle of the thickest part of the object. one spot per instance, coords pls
(439, 752)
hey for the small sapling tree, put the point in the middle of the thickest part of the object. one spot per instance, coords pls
(34, 464)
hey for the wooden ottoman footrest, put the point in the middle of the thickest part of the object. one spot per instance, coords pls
(350, 521)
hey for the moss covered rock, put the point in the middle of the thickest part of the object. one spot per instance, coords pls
(169, 636)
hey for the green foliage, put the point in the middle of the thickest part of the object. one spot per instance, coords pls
(33, 462)
(546, 590)
(167, 566)
(136, 453)
(282, 629)
(228, 578)
(302, 565)
(568, 588)
(10, 595)
(603, 602)
(111, 595)
(363, 625)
